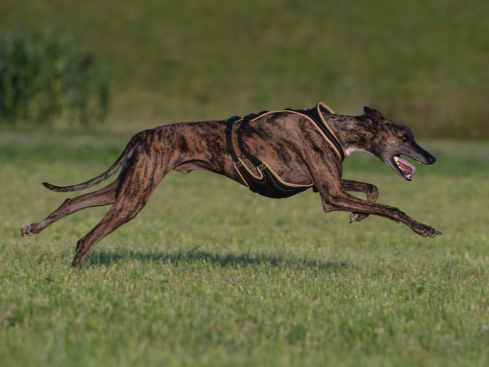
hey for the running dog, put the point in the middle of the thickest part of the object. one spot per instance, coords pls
(291, 150)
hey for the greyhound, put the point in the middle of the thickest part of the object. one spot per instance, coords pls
(297, 150)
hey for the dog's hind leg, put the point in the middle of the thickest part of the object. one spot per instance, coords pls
(137, 184)
(104, 196)
(368, 189)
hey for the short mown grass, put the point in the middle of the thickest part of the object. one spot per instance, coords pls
(210, 274)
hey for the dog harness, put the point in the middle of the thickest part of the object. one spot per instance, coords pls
(266, 182)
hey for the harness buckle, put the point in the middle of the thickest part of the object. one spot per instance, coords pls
(262, 167)
(239, 164)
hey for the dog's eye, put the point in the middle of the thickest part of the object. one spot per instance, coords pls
(404, 138)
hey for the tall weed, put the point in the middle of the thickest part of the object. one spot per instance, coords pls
(44, 79)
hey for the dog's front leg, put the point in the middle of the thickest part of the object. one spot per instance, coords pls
(326, 172)
(338, 200)
(368, 189)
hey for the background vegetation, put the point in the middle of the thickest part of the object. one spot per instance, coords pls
(423, 63)
(45, 79)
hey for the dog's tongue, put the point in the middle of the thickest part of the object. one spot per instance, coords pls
(406, 166)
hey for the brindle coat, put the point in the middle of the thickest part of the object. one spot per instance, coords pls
(287, 141)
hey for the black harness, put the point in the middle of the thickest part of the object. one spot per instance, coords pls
(268, 183)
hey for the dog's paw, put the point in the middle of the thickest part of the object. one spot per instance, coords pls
(27, 230)
(357, 217)
(426, 230)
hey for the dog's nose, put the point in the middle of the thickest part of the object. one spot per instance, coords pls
(431, 160)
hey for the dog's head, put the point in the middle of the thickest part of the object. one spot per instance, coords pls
(389, 140)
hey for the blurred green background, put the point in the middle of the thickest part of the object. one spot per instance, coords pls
(423, 63)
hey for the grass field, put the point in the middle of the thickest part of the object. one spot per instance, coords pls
(421, 62)
(210, 274)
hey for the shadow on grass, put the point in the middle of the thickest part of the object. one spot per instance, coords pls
(223, 260)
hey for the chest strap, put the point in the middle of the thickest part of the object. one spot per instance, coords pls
(316, 116)
(265, 182)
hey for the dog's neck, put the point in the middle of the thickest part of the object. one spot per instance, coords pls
(350, 133)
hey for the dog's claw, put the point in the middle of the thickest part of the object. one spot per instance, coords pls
(426, 231)
(357, 217)
(26, 230)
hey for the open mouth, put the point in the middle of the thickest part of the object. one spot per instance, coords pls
(405, 169)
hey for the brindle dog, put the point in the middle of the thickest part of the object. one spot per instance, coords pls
(290, 144)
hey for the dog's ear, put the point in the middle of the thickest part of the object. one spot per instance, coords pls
(369, 121)
(376, 115)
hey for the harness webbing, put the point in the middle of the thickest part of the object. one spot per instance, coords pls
(256, 162)
(267, 182)
(315, 114)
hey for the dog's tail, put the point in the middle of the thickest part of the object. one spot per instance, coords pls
(134, 142)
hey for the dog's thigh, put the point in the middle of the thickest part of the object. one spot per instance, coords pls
(138, 182)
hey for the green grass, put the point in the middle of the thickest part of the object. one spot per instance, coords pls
(423, 63)
(210, 274)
